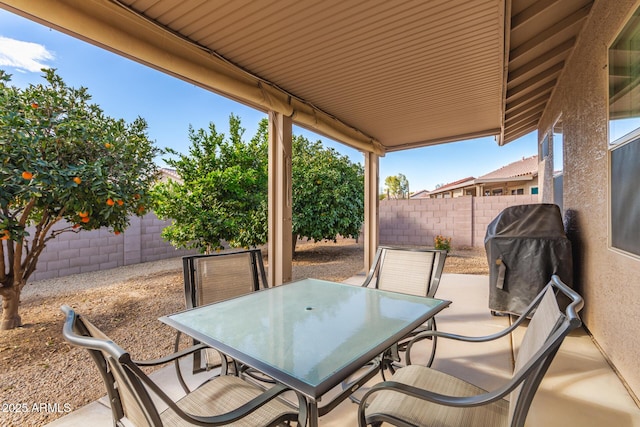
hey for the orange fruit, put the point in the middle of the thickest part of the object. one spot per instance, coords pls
(27, 175)
(120, 202)
(34, 105)
(107, 145)
(116, 232)
(110, 202)
(85, 219)
(5, 235)
(77, 180)
(136, 196)
(83, 214)
(140, 209)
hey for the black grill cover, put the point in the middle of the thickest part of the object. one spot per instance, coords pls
(525, 245)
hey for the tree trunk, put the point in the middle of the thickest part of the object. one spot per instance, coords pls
(10, 304)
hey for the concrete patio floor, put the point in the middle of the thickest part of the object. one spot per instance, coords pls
(580, 388)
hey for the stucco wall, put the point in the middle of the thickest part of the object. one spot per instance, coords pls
(72, 253)
(608, 280)
(464, 219)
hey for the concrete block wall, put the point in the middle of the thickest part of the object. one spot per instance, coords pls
(73, 253)
(487, 208)
(402, 222)
(416, 222)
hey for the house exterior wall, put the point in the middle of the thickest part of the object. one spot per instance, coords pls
(480, 189)
(507, 187)
(608, 280)
(416, 222)
(73, 253)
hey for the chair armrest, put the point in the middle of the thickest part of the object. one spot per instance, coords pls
(440, 334)
(427, 334)
(441, 399)
(526, 314)
(170, 357)
(252, 405)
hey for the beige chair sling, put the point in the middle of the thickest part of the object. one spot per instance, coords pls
(210, 278)
(409, 271)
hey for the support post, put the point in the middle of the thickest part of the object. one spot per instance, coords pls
(280, 248)
(371, 203)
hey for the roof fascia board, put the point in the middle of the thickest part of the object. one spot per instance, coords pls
(466, 184)
(506, 47)
(454, 138)
(505, 179)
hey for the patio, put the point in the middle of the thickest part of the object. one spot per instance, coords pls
(392, 76)
(580, 388)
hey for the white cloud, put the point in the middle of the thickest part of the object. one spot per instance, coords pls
(24, 56)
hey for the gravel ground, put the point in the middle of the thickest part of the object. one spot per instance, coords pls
(43, 378)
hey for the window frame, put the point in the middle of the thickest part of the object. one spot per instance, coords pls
(619, 136)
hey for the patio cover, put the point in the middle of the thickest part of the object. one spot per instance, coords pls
(378, 75)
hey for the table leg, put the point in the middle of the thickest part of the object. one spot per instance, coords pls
(313, 414)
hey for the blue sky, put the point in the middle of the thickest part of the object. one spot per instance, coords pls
(126, 89)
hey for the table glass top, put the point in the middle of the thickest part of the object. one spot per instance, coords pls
(307, 329)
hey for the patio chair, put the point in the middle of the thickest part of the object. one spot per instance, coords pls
(410, 271)
(216, 277)
(421, 396)
(220, 401)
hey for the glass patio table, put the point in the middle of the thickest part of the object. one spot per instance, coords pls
(309, 335)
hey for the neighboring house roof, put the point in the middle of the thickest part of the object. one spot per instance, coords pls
(166, 174)
(464, 182)
(420, 194)
(524, 169)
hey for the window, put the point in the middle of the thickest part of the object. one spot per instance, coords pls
(558, 164)
(517, 191)
(624, 89)
(624, 137)
(534, 190)
(544, 148)
(558, 147)
(625, 197)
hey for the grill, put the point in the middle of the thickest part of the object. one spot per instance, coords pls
(525, 245)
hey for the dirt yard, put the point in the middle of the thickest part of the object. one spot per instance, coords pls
(43, 378)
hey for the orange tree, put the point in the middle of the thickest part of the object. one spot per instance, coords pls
(222, 192)
(62, 159)
(328, 192)
(222, 195)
